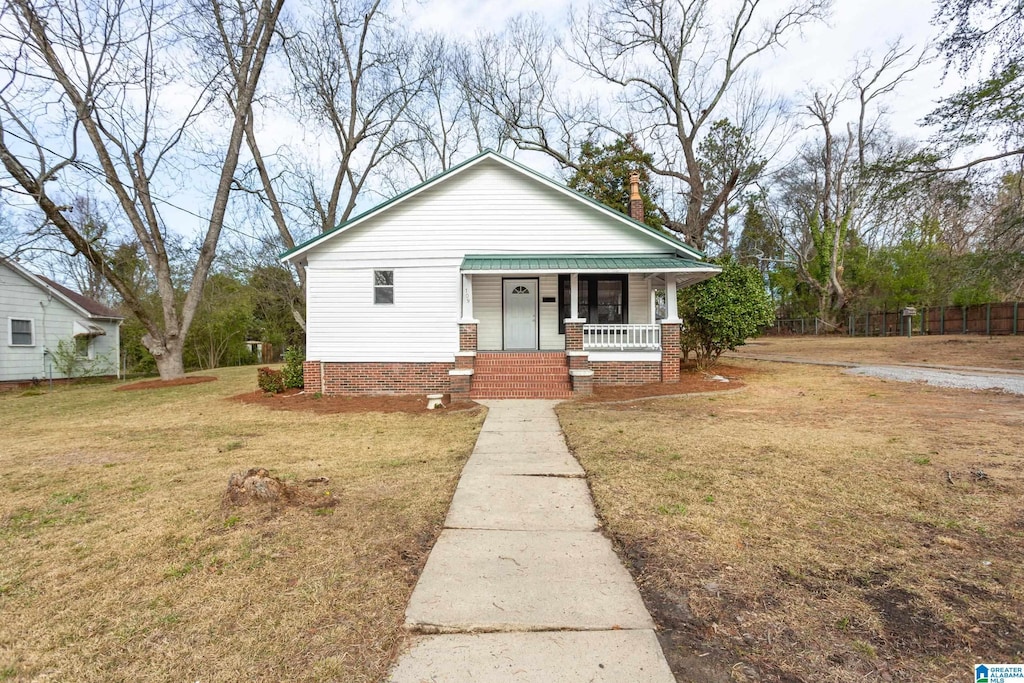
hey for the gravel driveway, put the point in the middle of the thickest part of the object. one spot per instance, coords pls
(1011, 384)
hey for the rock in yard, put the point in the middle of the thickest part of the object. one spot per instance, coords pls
(258, 486)
(255, 485)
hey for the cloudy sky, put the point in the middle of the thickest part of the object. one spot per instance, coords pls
(821, 55)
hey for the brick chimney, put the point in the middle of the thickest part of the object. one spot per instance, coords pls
(636, 204)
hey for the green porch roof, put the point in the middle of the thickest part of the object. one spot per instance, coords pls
(662, 263)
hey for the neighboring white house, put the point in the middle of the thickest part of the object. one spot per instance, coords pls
(492, 280)
(37, 314)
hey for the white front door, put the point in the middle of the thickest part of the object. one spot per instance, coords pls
(520, 306)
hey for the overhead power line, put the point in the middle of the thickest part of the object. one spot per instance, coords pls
(98, 171)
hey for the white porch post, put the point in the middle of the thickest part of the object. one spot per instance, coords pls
(671, 306)
(574, 295)
(467, 297)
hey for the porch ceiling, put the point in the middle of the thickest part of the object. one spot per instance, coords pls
(583, 263)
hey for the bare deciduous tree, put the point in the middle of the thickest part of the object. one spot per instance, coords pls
(354, 79)
(841, 186)
(673, 70)
(518, 95)
(90, 221)
(677, 71)
(94, 94)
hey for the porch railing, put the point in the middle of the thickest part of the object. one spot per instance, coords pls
(622, 337)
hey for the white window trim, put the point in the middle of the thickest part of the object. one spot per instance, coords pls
(10, 332)
(88, 349)
(376, 286)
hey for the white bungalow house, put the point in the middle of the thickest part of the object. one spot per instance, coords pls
(38, 313)
(491, 280)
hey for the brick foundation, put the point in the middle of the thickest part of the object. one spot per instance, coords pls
(311, 376)
(669, 352)
(349, 379)
(626, 372)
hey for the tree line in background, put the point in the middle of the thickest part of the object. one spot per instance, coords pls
(120, 119)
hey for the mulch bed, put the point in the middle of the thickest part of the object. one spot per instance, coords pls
(161, 384)
(691, 381)
(294, 399)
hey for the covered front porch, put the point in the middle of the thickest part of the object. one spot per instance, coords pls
(611, 315)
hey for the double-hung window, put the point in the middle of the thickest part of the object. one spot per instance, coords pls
(383, 286)
(22, 332)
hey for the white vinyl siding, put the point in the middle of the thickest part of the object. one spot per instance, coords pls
(53, 321)
(486, 209)
(345, 325)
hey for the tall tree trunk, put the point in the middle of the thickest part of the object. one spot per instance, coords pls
(169, 356)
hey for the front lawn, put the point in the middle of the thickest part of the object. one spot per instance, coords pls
(119, 562)
(818, 526)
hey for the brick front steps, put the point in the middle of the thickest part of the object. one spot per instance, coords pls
(536, 374)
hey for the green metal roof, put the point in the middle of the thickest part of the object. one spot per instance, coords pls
(487, 152)
(582, 262)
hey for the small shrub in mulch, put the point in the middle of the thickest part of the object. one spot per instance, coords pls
(292, 370)
(270, 380)
(163, 384)
(256, 486)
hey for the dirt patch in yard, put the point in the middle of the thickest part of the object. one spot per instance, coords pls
(294, 399)
(817, 526)
(691, 381)
(163, 384)
(959, 350)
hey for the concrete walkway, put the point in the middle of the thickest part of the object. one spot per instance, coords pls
(521, 586)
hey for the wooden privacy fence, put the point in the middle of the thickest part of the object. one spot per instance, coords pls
(988, 319)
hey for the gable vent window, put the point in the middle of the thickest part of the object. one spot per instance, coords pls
(383, 286)
(21, 333)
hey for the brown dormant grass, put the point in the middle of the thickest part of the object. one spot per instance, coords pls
(961, 350)
(818, 526)
(118, 563)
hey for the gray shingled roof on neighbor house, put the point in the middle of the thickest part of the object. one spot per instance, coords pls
(92, 306)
